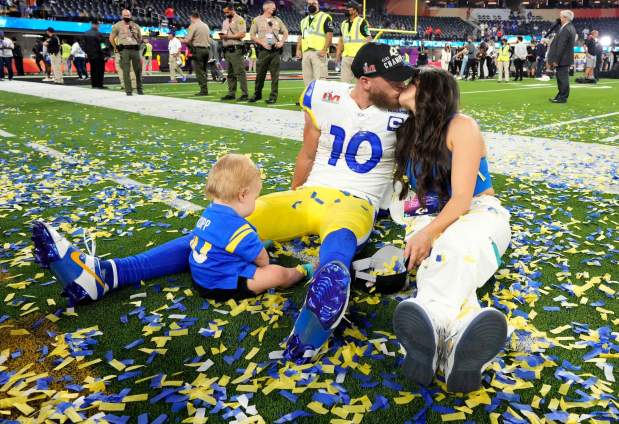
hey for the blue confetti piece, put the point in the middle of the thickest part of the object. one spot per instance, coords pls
(293, 416)
(289, 395)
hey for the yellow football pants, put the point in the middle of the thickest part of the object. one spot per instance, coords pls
(286, 215)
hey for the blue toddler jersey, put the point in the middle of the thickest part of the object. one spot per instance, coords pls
(224, 248)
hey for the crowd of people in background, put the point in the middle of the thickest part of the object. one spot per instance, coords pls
(489, 56)
(483, 60)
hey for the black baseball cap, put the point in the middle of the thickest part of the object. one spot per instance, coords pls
(353, 5)
(381, 60)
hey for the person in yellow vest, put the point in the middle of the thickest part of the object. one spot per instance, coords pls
(313, 45)
(355, 33)
(65, 49)
(148, 58)
(502, 61)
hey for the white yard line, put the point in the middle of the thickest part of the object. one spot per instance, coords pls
(6, 134)
(587, 165)
(573, 121)
(162, 195)
(611, 138)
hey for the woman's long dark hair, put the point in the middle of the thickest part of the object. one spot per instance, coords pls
(422, 138)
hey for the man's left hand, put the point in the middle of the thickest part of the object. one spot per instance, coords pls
(279, 45)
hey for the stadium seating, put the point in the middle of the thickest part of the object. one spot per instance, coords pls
(151, 13)
(538, 27)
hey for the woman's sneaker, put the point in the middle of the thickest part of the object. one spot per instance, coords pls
(325, 305)
(83, 276)
(473, 344)
(419, 336)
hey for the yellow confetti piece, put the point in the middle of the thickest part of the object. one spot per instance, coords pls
(554, 403)
(402, 400)
(52, 317)
(544, 390)
(20, 332)
(64, 363)
(176, 333)
(494, 418)
(561, 329)
(254, 350)
(200, 350)
(117, 365)
(606, 289)
(73, 415)
(565, 387)
(136, 398)
(87, 364)
(111, 407)
(456, 416)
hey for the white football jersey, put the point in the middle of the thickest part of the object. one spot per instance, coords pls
(356, 147)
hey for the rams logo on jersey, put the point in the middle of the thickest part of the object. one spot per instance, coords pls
(394, 123)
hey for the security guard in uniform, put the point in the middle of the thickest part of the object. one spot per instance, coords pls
(119, 71)
(269, 33)
(199, 41)
(355, 33)
(233, 31)
(313, 45)
(126, 38)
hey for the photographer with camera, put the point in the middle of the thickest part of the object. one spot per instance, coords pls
(269, 33)
(126, 37)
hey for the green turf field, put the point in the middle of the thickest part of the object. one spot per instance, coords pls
(140, 350)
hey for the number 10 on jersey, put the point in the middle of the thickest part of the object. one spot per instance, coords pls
(352, 149)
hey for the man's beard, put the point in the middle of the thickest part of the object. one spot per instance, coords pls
(382, 101)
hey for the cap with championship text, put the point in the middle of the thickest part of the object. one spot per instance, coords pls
(381, 60)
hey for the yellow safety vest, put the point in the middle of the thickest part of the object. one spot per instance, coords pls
(353, 40)
(313, 34)
(149, 50)
(503, 54)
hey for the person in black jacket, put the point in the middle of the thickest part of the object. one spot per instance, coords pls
(93, 41)
(53, 50)
(18, 57)
(561, 55)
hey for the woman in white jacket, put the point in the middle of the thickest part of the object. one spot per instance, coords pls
(446, 57)
(79, 60)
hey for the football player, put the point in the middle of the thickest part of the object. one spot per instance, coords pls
(343, 172)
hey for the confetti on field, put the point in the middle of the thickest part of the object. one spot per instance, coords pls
(162, 348)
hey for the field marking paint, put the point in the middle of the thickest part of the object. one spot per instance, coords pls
(6, 134)
(565, 162)
(558, 124)
(611, 138)
(162, 195)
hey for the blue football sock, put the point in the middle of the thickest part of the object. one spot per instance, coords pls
(167, 259)
(340, 245)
